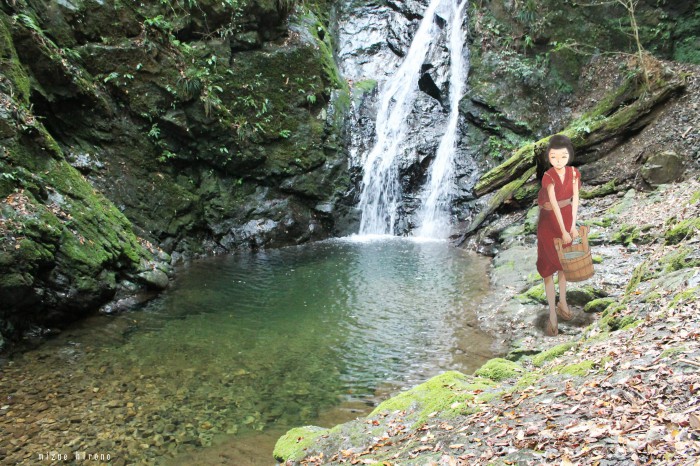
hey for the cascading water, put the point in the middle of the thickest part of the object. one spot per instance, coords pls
(381, 194)
(434, 214)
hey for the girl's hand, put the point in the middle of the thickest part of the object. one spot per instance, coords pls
(574, 232)
(566, 238)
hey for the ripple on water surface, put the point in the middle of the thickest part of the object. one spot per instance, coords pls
(276, 338)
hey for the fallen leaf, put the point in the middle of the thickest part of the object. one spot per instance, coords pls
(694, 421)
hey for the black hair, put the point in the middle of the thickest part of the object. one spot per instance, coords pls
(557, 141)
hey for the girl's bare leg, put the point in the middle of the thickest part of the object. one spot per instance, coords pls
(562, 290)
(551, 297)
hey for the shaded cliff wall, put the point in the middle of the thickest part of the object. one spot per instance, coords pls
(200, 127)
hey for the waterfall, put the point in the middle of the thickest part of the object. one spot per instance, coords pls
(381, 196)
(434, 214)
(381, 192)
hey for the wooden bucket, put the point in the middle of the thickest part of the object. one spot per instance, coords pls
(576, 259)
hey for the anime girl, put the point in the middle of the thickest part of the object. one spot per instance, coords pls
(558, 200)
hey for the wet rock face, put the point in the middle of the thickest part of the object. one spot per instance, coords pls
(373, 41)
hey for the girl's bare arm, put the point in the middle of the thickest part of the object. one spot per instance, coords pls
(555, 207)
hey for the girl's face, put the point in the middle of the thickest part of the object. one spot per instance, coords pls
(558, 158)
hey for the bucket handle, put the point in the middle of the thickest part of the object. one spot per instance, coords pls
(583, 231)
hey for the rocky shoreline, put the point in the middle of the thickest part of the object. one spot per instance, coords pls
(618, 384)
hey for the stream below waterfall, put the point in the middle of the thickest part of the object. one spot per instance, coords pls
(242, 348)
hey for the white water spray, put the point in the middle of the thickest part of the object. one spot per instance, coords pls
(434, 214)
(381, 193)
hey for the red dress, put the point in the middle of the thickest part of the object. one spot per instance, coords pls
(547, 226)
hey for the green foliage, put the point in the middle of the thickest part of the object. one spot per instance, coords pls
(29, 23)
(159, 22)
(154, 133)
(111, 76)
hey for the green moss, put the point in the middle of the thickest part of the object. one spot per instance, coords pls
(498, 369)
(10, 65)
(684, 230)
(535, 293)
(598, 305)
(625, 323)
(688, 296)
(552, 353)
(612, 322)
(672, 351)
(437, 395)
(579, 369)
(293, 445)
(640, 273)
(613, 309)
(680, 259)
(366, 85)
(597, 259)
(695, 198)
(651, 297)
(528, 379)
(605, 222)
(599, 191)
(627, 234)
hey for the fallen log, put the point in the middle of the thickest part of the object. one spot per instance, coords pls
(624, 111)
(495, 202)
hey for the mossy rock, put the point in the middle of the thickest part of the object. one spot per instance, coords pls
(498, 369)
(531, 220)
(437, 395)
(684, 230)
(534, 294)
(551, 353)
(695, 198)
(619, 323)
(598, 305)
(605, 221)
(683, 258)
(582, 295)
(579, 369)
(627, 234)
(293, 445)
(641, 273)
(600, 191)
(685, 297)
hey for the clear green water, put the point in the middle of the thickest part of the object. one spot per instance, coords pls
(243, 347)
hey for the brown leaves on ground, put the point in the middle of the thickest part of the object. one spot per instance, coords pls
(640, 404)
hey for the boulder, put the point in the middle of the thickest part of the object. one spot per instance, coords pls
(662, 168)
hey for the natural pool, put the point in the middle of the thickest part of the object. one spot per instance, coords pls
(244, 347)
